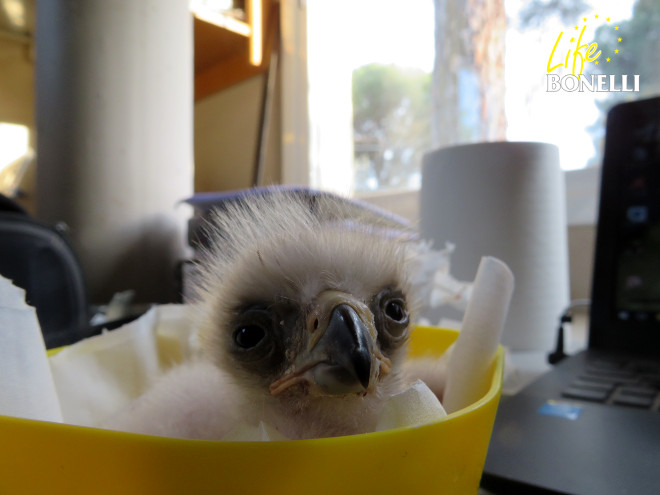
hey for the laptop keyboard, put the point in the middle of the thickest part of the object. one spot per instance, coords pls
(622, 383)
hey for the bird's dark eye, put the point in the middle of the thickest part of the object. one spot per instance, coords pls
(391, 317)
(249, 336)
(256, 341)
(395, 315)
(395, 311)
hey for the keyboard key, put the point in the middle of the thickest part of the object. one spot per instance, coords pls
(639, 390)
(612, 374)
(603, 386)
(609, 378)
(634, 400)
(586, 394)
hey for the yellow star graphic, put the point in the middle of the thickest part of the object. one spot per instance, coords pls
(608, 19)
(584, 19)
(607, 59)
(576, 28)
(596, 62)
(619, 40)
(595, 16)
(616, 28)
(616, 51)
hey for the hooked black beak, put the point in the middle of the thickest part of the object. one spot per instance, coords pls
(349, 349)
(341, 355)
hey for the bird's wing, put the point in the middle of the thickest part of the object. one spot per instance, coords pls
(194, 400)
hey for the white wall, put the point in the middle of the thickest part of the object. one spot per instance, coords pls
(226, 126)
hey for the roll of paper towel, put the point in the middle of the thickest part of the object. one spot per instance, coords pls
(507, 200)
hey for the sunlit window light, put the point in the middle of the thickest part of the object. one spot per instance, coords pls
(15, 156)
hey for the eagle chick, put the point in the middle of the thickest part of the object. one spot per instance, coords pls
(303, 312)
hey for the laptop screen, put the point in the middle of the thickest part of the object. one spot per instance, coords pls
(625, 313)
(638, 250)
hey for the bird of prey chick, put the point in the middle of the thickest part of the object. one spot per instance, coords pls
(303, 313)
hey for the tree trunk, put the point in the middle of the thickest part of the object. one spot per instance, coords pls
(468, 74)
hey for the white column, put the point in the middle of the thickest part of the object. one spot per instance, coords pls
(114, 84)
(295, 109)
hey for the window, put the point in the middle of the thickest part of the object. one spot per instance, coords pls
(380, 52)
(376, 104)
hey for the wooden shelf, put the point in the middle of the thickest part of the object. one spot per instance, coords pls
(224, 51)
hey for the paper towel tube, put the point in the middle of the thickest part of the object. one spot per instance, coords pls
(507, 200)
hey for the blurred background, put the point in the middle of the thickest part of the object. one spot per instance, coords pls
(113, 113)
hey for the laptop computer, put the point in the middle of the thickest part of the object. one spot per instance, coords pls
(591, 425)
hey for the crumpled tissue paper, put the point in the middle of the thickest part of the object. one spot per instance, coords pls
(26, 383)
(433, 280)
(98, 376)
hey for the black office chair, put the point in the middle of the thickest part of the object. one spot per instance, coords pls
(39, 259)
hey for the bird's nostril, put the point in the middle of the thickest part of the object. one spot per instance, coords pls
(346, 316)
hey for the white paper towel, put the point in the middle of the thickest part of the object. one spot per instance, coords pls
(415, 406)
(468, 371)
(98, 376)
(26, 383)
(504, 200)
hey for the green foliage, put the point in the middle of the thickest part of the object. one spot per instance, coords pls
(391, 123)
(381, 91)
(639, 49)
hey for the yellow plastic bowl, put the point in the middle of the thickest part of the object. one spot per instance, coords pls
(444, 457)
